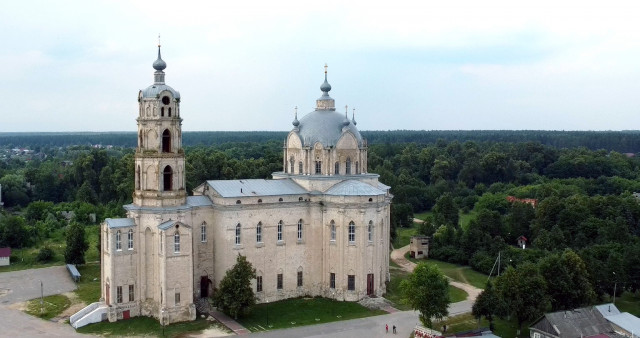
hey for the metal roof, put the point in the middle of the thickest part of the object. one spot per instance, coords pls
(324, 126)
(120, 222)
(256, 187)
(574, 323)
(154, 90)
(198, 201)
(5, 252)
(166, 225)
(354, 188)
(626, 321)
(607, 309)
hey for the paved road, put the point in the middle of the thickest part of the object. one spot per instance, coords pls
(19, 286)
(15, 323)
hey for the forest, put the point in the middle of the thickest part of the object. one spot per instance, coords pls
(570, 194)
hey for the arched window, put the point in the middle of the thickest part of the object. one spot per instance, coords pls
(280, 199)
(300, 167)
(300, 230)
(259, 200)
(169, 111)
(238, 202)
(333, 230)
(238, 234)
(336, 170)
(166, 141)
(357, 168)
(118, 241)
(352, 232)
(168, 178)
(138, 178)
(162, 111)
(203, 232)
(259, 233)
(348, 166)
(140, 140)
(176, 242)
(370, 231)
(300, 199)
(318, 167)
(291, 165)
(130, 239)
(280, 230)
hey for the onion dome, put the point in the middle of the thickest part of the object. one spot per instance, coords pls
(346, 121)
(158, 85)
(353, 117)
(159, 64)
(295, 122)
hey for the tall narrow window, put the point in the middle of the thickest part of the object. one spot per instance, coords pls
(106, 237)
(259, 284)
(130, 239)
(300, 230)
(259, 233)
(162, 111)
(299, 278)
(280, 230)
(203, 232)
(370, 231)
(177, 298)
(166, 141)
(332, 280)
(161, 242)
(169, 111)
(291, 165)
(348, 166)
(168, 178)
(279, 282)
(131, 294)
(176, 242)
(238, 234)
(352, 232)
(357, 168)
(351, 282)
(336, 170)
(300, 167)
(318, 167)
(118, 240)
(333, 230)
(119, 294)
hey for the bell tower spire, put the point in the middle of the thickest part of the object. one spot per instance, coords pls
(159, 159)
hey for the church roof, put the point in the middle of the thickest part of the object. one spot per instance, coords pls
(198, 201)
(120, 222)
(256, 187)
(354, 188)
(166, 225)
(155, 89)
(324, 126)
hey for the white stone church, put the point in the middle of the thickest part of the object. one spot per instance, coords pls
(318, 228)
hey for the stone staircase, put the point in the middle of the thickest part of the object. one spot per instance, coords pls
(92, 313)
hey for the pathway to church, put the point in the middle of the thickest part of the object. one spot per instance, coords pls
(374, 326)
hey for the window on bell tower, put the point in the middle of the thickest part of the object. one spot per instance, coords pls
(166, 141)
(168, 178)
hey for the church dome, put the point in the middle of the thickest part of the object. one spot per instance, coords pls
(324, 124)
(159, 86)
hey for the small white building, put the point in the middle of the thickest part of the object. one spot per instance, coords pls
(5, 254)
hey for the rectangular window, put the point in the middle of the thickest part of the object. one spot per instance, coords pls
(259, 233)
(300, 230)
(352, 232)
(280, 231)
(299, 278)
(259, 284)
(131, 294)
(119, 294)
(176, 242)
(118, 241)
(130, 240)
(351, 282)
(299, 167)
(203, 232)
(279, 281)
(318, 167)
(332, 280)
(177, 298)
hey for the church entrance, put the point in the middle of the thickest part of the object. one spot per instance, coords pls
(204, 287)
(369, 284)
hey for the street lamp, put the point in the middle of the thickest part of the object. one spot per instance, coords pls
(41, 298)
(615, 284)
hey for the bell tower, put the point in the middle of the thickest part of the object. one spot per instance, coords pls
(159, 158)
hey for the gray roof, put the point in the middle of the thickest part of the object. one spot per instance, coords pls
(198, 201)
(166, 225)
(324, 126)
(155, 89)
(607, 309)
(626, 321)
(574, 323)
(256, 187)
(120, 222)
(354, 188)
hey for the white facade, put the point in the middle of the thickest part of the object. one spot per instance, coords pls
(312, 231)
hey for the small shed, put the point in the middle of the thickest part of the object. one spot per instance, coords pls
(419, 247)
(5, 256)
(522, 242)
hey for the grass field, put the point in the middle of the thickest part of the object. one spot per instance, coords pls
(459, 273)
(403, 236)
(51, 306)
(629, 302)
(145, 327)
(302, 311)
(466, 322)
(89, 285)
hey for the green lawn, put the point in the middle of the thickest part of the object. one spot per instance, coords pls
(145, 326)
(629, 302)
(422, 215)
(466, 218)
(394, 295)
(403, 236)
(51, 306)
(302, 311)
(459, 273)
(466, 322)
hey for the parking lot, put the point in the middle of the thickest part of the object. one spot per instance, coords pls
(19, 286)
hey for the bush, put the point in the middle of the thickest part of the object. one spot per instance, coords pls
(45, 255)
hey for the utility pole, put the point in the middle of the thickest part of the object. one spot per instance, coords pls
(1, 203)
(41, 298)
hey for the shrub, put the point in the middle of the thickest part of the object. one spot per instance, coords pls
(45, 255)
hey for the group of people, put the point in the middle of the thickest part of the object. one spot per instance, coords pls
(386, 327)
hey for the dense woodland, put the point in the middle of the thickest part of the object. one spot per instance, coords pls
(584, 229)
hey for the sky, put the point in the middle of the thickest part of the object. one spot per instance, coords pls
(245, 65)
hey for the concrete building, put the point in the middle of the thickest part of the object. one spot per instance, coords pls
(318, 228)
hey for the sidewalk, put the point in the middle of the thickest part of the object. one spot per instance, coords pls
(229, 322)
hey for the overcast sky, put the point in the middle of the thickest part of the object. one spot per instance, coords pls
(245, 65)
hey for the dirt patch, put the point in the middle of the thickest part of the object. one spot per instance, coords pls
(76, 305)
(21, 306)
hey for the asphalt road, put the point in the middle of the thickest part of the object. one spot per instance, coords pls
(19, 286)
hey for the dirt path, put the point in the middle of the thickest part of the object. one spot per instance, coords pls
(397, 256)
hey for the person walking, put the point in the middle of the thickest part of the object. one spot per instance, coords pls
(386, 327)
(394, 329)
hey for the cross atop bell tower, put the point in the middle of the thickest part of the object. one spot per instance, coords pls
(159, 159)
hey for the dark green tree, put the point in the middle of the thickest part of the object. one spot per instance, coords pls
(76, 244)
(488, 304)
(427, 290)
(235, 295)
(523, 290)
(14, 232)
(446, 211)
(567, 280)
